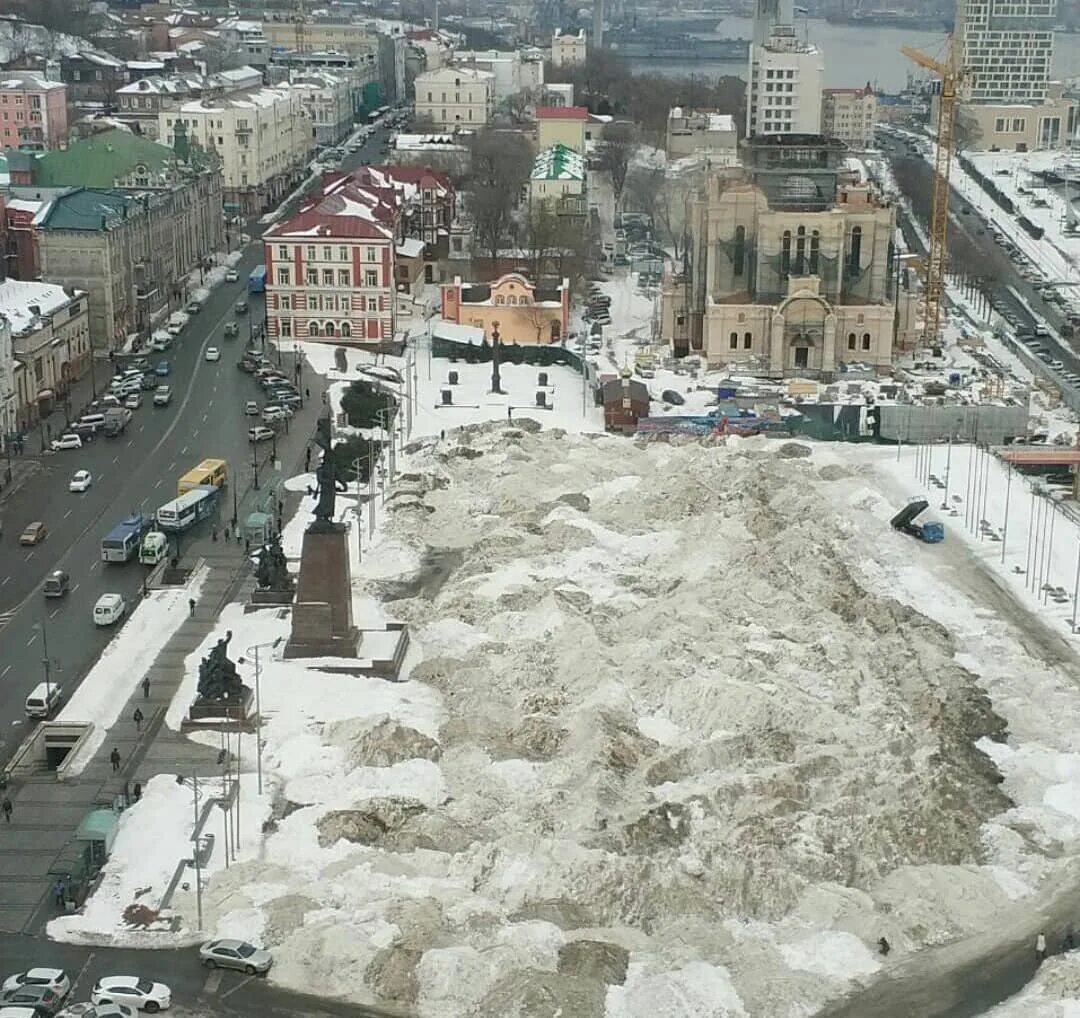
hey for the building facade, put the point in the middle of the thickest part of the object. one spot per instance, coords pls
(558, 179)
(8, 406)
(515, 73)
(327, 99)
(92, 79)
(263, 139)
(423, 200)
(453, 98)
(1008, 46)
(561, 125)
(797, 271)
(522, 312)
(33, 112)
(1021, 128)
(849, 114)
(50, 344)
(568, 49)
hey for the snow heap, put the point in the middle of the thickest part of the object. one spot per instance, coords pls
(661, 741)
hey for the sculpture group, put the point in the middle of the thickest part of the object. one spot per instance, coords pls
(218, 678)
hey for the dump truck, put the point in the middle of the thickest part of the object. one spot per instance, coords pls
(929, 531)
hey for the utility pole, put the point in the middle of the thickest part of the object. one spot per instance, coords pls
(198, 861)
(359, 514)
(46, 664)
(255, 464)
(258, 722)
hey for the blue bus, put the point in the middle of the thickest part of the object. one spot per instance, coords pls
(122, 542)
(187, 510)
(257, 280)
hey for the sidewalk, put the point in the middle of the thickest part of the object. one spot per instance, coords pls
(34, 846)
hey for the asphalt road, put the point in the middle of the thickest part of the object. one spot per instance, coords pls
(134, 472)
(196, 992)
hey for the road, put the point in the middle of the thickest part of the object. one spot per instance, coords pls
(136, 471)
(196, 992)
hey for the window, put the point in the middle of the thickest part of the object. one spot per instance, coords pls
(866, 340)
(283, 252)
(500, 299)
(738, 255)
(851, 339)
(785, 253)
(312, 277)
(800, 250)
(855, 256)
(286, 302)
(748, 340)
(286, 327)
(313, 328)
(283, 276)
(343, 254)
(815, 251)
(343, 277)
(369, 254)
(346, 330)
(326, 254)
(327, 277)
(733, 341)
(312, 302)
(371, 277)
(310, 254)
(373, 303)
(328, 329)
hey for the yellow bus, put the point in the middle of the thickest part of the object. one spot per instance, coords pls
(209, 472)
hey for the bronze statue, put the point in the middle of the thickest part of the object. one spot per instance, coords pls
(218, 678)
(272, 572)
(329, 484)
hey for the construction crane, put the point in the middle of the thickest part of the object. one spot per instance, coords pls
(300, 27)
(951, 75)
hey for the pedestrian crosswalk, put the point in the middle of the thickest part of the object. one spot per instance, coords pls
(6, 617)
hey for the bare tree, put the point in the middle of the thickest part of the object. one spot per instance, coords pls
(615, 153)
(500, 167)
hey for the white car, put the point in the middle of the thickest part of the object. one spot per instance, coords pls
(68, 441)
(80, 481)
(55, 979)
(133, 400)
(213, 353)
(231, 276)
(259, 434)
(141, 994)
(251, 408)
(88, 1010)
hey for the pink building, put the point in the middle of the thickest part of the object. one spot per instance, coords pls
(33, 111)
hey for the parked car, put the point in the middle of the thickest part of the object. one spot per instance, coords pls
(251, 408)
(231, 276)
(284, 397)
(240, 307)
(174, 328)
(163, 368)
(87, 1010)
(80, 480)
(162, 395)
(133, 400)
(274, 412)
(235, 954)
(41, 999)
(68, 440)
(260, 433)
(193, 307)
(138, 366)
(159, 344)
(213, 353)
(141, 994)
(55, 979)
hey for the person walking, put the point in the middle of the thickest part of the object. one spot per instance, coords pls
(7, 809)
(1040, 949)
(213, 533)
(137, 717)
(146, 688)
(59, 893)
(114, 759)
(191, 606)
(226, 531)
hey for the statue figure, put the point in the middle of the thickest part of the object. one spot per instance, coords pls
(329, 484)
(272, 572)
(218, 678)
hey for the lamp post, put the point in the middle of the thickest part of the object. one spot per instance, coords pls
(254, 651)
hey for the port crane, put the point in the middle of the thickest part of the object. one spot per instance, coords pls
(951, 75)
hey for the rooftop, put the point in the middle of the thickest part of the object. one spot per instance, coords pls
(87, 209)
(27, 81)
(17, 297)
(559, 163)
(103, 160)
(562, 113)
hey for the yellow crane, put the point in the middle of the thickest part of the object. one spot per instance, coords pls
(951, 75)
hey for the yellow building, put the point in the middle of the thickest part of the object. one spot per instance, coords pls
(521, 312)
(561, 125)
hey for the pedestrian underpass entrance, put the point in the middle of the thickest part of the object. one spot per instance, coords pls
(50, 747)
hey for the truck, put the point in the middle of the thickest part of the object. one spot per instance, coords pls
(929, 531)
(116, 419)
(257, 280)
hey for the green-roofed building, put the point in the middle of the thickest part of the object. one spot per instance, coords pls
(134, 223)
(558, 179)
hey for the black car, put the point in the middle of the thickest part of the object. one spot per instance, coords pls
(42, 1000)
(148, 382)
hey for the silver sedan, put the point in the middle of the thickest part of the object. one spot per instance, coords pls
(235, 954)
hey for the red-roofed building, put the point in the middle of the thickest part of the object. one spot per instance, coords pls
(331, 268)
(561, 125)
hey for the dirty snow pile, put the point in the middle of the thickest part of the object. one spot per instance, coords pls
(663, 749)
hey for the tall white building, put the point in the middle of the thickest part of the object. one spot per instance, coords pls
(786, 75)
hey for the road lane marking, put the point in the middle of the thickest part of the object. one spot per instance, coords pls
(213, 981)
(183, 452)
(5, 671)
(82, 972)
(204, 416)
(172, 466)
(195, 433)
(239, 985)
(116, 459)
(29, 556)
(94, 565)
(54, 613)
(30, 642)
(158, 485)
(7, 580)
(67, 514)
(76, 587)
(131, 442)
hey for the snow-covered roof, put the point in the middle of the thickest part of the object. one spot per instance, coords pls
(17, 296)
(27, 81)
(559, 163)
(410, 247)
(420, 142)
(456, 333)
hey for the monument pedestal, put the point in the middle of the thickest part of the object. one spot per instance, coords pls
(322, 623)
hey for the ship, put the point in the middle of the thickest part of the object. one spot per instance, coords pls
(888, 19)
(678, 48)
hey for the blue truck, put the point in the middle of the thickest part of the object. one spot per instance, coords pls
(257, 280)
(929, 531)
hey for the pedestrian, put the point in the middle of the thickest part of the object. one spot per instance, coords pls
(191, 606)
(280, 509)
(237, 531)
(247, 546)
(1040, 949)
(146, 688)
(307, 393)
(307, 459)
(114, 759)
(137, 717)
(7, 809)
(58, 892)
(213, 533)
(226, 531)
(509, 413)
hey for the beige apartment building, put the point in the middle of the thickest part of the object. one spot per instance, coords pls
(849, 114)
(455, 98)
(263, 137)
(319, 35)
(568, 49)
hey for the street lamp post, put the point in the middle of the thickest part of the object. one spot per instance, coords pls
(254, 651)
(255, 464)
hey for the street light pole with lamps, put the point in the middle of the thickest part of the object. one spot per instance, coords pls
(254, 651)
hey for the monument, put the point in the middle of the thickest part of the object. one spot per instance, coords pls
(274, 584)
(322, 622)
(221, 694)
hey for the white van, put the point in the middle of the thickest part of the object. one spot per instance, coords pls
(110, 608)
(44, 699)
(154, 548)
